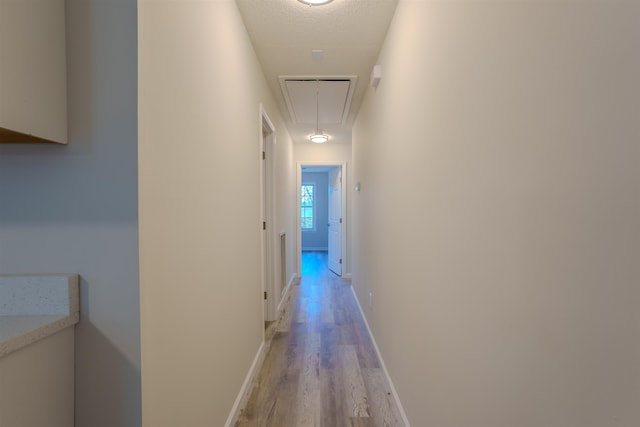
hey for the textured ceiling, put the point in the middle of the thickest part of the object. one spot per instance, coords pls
(349, 32)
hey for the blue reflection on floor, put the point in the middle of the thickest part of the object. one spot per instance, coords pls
(314, 263)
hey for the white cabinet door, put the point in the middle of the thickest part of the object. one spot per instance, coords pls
(33, 73)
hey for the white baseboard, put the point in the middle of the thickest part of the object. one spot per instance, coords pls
(347, 276)
(292, 279)
(384, 368)
(312, 249)
(245, 390)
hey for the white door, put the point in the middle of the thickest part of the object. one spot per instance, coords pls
(267, 198)
(335, 221)
(266, 283)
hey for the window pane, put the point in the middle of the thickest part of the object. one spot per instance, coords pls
(307, 223)
(306, 195)
(306, 206)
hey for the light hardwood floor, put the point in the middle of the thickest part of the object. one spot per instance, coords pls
(320, 367)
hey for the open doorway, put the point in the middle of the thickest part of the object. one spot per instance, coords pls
(321, 217)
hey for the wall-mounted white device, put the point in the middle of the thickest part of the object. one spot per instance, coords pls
(376, 75)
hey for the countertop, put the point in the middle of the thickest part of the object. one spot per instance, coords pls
(35, 307)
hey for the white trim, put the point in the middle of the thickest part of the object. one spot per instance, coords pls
(266, 121)
(267, 213)
(245, 390)
(384, 368)
(353, 80)
(347, 276)
(345, 225)
(315, 248)
(293, 278)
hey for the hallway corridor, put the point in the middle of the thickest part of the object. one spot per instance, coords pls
(320, 367)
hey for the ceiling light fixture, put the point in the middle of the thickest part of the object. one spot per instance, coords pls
(315, 2)
(318, 137)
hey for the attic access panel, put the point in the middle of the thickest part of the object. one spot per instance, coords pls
(334, 99)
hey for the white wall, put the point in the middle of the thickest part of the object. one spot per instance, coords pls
(308, 153)
(74, 208)
(498, 225)
(318, 239)
(200, 87)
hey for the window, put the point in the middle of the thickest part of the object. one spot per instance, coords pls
(307, 207)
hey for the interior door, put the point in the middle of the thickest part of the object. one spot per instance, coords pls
(265, 234)
(271, 298)
(335, 220)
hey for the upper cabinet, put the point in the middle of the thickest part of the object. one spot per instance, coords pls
(33, 71)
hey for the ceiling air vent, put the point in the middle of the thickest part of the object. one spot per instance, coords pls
(333, 101)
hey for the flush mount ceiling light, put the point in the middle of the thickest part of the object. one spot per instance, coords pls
(315, 2)
(318, 137)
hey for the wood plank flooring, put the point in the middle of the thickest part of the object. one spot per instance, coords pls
(320, 367)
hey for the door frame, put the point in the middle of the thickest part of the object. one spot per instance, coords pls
(334, 183)
(345, 256)
(267, 214)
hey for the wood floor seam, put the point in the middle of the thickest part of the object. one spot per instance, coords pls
(320, 367)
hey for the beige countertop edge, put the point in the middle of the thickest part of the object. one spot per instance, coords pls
(44, 326)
